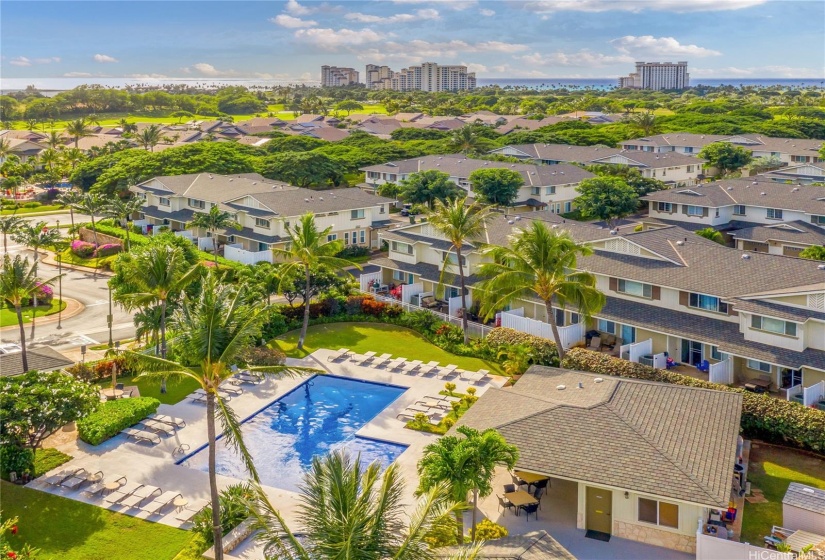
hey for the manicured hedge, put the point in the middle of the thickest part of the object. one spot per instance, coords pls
(763, 417)
(114, 416)
(544, 351)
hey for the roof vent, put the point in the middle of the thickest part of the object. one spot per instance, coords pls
(320, 198)
(518, 218)
(680, 243)
(210, 176)
(730, 188)
(794, 189)
(612, 232)
(561, 387)
(511, 222)
(746, 257)
(821, 267)
(762, 194)
(254, 182)
(598, 380)
(561, 172)
(306, 200)
(230, 179)
(581, 385)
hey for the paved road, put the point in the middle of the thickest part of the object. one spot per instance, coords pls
(89, 326)
(65, 219)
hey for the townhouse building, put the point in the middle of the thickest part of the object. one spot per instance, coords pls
(787, 238)
(788, 150)
(671, 168)
(545, 187)
(756, 200)
(756, 318)
(804, 174)
(262, 207)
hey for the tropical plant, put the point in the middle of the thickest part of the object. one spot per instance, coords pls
(467, 139)
(18, 284)
(121, 209)
(92, 204)
(213, 328)
(460, 223)
(726, 157)
(606, 198)
(539, 262)
(78, 129)
(72, 200)
(9, 225)
(425, 187)
(390, 190)
(645, 122)
(214, 221)
(36, 236)
(5, 148)
(465, 464)
(55, 140)
(309, 250)
(496, 186)
(515, 359)
(814, 252)
(712, 234)
(150, 137)
(73, 156)
(349, 510)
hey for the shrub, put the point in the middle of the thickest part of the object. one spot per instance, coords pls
(108, 249)
(104, 368)
(82, 371)
(15, 459)
(234, 511)
(542, 351)
(353, 251)
(489, 531)
(82, 249)
(114, 416)
(263, 356)
(32, 205)
(45, 294)
(51, 194)
(763, 417)
(275, 326)
(370, 306)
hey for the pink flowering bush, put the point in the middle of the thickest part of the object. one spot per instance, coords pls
(107, 250)
(45, 294)
(83, 249)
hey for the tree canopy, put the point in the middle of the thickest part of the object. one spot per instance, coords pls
(726, 157)
(426, 187)
(497, 186)
(606, 198)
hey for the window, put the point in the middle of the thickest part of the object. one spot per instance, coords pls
(695, 211)
(346, 238)
(690, 169)
(535, 190)
(230, 239)
(559, 316)
(196, 203)
(568, 207)
(399, 276)
(665, 207)
(163, 201)
(261, 223)
(707, 303)
(605, 326)
(739, 209)
(688, 150)
(356, 214)
(772, 325)
(381, 209)
(715, 353)
(332, 237)
(549, 190)
(363, 236)
(716, 214)
(354, 237)
(774, 214)
(659, 513)
(759, 366)
(628, 334)
(818, 220)
(635, 288)
(574, 318)
(399, 247)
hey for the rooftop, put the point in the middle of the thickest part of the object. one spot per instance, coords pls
(805, 497)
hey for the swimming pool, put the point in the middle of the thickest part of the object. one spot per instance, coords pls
(318, 416)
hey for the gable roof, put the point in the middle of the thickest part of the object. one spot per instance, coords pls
(636, 435)
(796, 231)
(295, 201)
(752, 142)
(212, 187)
(805, 497)
(40, 359)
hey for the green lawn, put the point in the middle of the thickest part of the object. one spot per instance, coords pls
(8, 210)
(380, 338)
(101, 263)
(65, 529)
(771, 470)
(176, 390)
(9, 317)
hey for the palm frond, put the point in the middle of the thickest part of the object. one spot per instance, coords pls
(273, 532)
(233, 436)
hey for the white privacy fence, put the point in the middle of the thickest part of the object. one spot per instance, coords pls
(476, 330)
(710, 547)
(813, 394)
(186, 234)
(205, 243)
(237, 253)
(660, 360)
(636, 350)
(454, 304)
(365, 279)
(410, 290)
(791, 392)
(721, 372)
(568, 335)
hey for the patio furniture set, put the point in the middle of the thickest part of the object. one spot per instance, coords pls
(435, 408)
(528, 501)
(119, 391)
(117, 490)
(150, 428)
(413, 367)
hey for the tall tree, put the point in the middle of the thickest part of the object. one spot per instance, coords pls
(726, 157)
(814, 252)
(460, 224)
(467, 139)
(310, 250)
(214, 221)
(355, 511)
(466, 464)
(78, 129)
(18, 284)
(55, 140)
(497, 186)
(92, 204)
(121, 209)
(712, 234)
(9, 225)
(213, 328)
(73, 156)
(425, 187)
(349, 106)
(539, 263)
(150, 137)
(72, 199)
(35, 236)
(606, 198)
(645, 122)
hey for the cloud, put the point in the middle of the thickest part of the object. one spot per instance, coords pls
(475, 67)
(77, 75)
(296, 9)
(486, 12)
(25, 61)
(147, 76)
(418, 50)
(659, 46)
(678, 6)
(290, 22)
(583, 58)
(419, 15)
(20, 61)
(457, 5)
(753, 72)
(208, 70)
(334, 39)
(104, 58)
(48, 60)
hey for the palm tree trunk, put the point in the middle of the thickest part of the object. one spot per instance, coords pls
(215, 247)
(94, 229)
(71, 216)
(18, 309)
(163, 340)
(464, 324)
(306, 312)
(34, 295)
(551, 318)
(128, 245)
(5, 246)
(213, 479)
(475, 509)
(459, 523)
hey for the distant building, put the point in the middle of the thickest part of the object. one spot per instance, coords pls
(657, 76)
(428, 76)
(333, 76)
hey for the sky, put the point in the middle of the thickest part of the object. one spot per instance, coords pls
(42, 42)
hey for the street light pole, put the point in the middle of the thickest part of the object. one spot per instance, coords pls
(109, 317)
(60, 285)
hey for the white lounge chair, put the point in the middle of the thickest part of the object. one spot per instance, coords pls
(98, 487)
(171, 420)
(156, 505)
(412, 367)
(125, 490)
(447, 371)
(80, 479)
(65, 474)
(478, 376)
(367, 358)
(341, 354)
(398, 363)
(429, 367)
(159, 427)
(381, 360)
(140, 495)
(232, 391)
(412, 411)
(246, 377)
(187, 513)
(141, 435)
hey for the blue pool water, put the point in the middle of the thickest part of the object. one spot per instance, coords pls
(320, 415)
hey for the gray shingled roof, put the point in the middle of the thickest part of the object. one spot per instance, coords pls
(805, 497)
(754, 142)
(184, 215)
(789, 232)
(40, 359)
(562, 152)
(296, 202)
(427, 271)
(641, 436)
(536, 545)
(777, 310)
(213, 187)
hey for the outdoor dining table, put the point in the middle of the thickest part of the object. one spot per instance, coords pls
(530, 478)
(520, 498)
(111, 393)
(180, 503)
(111, 486)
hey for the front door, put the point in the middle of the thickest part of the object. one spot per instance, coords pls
(691, 352)
(599, 510)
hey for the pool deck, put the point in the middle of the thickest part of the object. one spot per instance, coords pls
(155, 464)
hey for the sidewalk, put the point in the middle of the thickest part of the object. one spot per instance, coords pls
(73, 307)
(50, 259)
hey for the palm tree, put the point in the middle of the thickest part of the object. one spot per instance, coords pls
(150, 137)
(147, 323)
(309, 250)
(213, 221)
(9, 225)
(54, 141)
(349, 510)
(459, 223)
(466, 139)
(540, 262)
(466, 464)
(71, 199)
(18, 283)
(73, 156)
(213, 329)
(49, 158)
(36, 236)
(126, 127)
(92, 204)
(121, 209)
(645, 122)
(78, 129)
(5, 148)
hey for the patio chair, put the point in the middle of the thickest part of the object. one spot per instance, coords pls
(429, 367)
(381, 360)
(246, 377)
(609, 341)
(398, 363)
(171, 420)
(595, 344)
(412, 367)
(75, 482)
(198, 396)
(412, 411)
(119, 386)
(137, 497)
(126, 490)
(56, 479)
(341, 354)
(156, 505)
(518, 482)
(505, 504)
(530, 508)
(703, 366)
(367, 358)
(98, 487)
(187, 513)
(158, 427)
(141, 435)
(509, 488)
(447, 371)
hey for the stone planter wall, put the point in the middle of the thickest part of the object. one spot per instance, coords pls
(654, 536)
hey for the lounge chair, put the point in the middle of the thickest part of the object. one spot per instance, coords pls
(156, 506)
(398, 363)
(341, 354)
(141, 435)
(246, 377)
(434, 403)
(445, 398)
(80, 479)
(429, 367)
(158, 427)
(476, 377)
(126, 490)
(381, 360)
(57, 479)
(412, 411)
(140, 495)
(412, 366)
(447, 371)
(200, 395)
(171, 420)
(367, 358)
(98, 487)
(231, 391)
(187, 513)
(595, 344)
